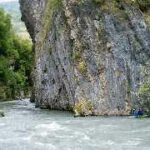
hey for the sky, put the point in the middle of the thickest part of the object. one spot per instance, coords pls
(7, 0)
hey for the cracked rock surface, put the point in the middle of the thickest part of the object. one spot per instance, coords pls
(90, 57)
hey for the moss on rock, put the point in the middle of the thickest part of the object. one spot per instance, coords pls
(144, 95)
(83, 107)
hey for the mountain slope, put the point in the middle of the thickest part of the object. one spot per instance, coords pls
(13, 9)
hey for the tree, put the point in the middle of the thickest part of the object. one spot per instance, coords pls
(15, 60)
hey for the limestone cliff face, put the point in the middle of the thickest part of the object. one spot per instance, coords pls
(90, 55)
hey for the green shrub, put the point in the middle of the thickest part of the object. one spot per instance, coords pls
(144, 95)
(143, 4)
(82, 68)
(83, 107)
(15, 60)
(98, 1)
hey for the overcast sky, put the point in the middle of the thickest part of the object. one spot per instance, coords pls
(7, 0)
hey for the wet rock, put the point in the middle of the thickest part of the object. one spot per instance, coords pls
(2, 113)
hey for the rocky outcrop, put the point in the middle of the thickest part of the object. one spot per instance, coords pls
(91, 56)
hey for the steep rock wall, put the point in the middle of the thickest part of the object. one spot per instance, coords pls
(90, 56)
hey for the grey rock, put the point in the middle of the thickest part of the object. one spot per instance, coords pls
(84, 52)
(2, 113)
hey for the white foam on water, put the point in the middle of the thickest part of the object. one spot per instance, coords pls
(46, 145)
(13, 140)
(132, 143)
(43, 134)
(52, 126)
(27, 138)
(2, 124)
(2, 140)
(81, 135)
(86, 137)
(110, 142)
(32, 135)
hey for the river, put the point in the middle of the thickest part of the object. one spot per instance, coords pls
(27, 128)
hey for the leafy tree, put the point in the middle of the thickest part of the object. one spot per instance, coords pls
(15, 61)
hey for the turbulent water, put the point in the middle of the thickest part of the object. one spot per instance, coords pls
(27, 128)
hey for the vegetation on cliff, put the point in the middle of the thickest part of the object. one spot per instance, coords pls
(15, 61)
(144, 96)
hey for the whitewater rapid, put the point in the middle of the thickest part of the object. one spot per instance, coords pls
(27, 128)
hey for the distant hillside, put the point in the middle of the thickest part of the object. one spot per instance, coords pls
(13, 9)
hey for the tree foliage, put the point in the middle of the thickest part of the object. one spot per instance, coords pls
(144, 94)
(15, 60)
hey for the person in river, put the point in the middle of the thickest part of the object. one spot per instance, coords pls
(135, 113)
(132, 111)
(140, 112)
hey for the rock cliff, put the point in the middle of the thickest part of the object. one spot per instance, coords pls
(91, 56)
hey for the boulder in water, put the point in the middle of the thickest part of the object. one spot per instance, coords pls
(2, 113)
